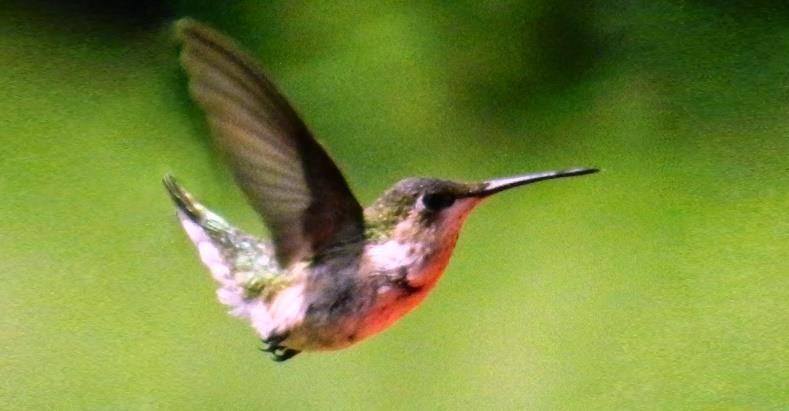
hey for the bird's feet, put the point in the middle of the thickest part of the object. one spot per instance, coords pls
(279, 352)
(283, 354)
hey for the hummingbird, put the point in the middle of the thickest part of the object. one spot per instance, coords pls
(333, 273)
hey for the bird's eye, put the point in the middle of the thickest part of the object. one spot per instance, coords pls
(437, 201)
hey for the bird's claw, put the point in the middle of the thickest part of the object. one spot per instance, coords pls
(279, 352)
(284, 354)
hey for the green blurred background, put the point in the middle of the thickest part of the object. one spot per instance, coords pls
(662, 283)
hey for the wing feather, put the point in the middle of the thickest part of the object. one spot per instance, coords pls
(288, 177)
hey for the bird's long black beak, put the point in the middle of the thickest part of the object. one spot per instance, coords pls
(500, 184)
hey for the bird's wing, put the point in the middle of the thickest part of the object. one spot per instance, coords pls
(288, 177)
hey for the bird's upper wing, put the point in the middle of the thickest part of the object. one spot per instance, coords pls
(289, 178)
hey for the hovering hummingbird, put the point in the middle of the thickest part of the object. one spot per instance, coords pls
(334, 273)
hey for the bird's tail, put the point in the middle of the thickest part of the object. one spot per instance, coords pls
(183, 200)
(213, 238)
(243, 266)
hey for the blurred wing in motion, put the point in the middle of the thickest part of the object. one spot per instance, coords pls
(289, 178)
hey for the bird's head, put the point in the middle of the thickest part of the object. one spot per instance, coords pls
(433, 210)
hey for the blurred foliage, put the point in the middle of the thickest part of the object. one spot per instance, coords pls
(659, 284)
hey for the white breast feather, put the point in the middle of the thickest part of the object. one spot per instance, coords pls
(393, 254)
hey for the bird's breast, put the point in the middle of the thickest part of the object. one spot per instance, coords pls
(408, 272)
(393, 278)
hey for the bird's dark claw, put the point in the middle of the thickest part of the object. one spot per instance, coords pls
(279, 352)
(284, 354)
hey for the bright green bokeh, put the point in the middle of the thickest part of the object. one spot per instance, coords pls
(662, 283)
